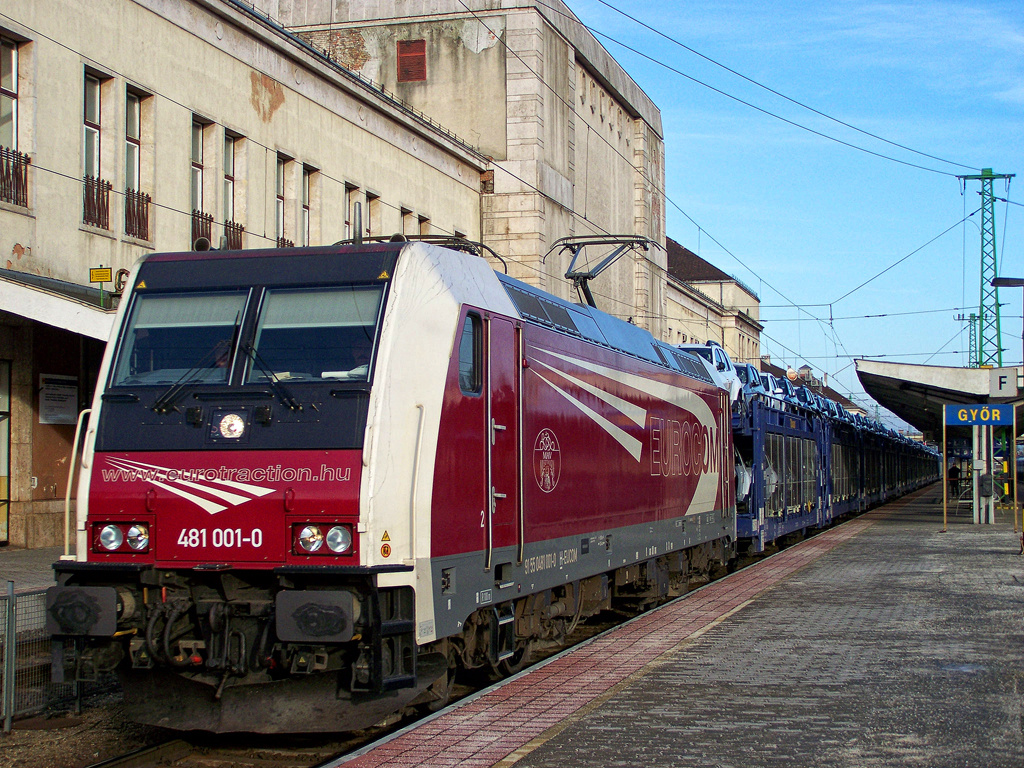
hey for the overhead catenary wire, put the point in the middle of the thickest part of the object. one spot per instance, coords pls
(775, 92)
(826, 325)
(769, 113)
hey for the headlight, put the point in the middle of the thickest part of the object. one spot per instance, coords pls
(138, 537)
(339, 539)
(310, 538)
(111, 537)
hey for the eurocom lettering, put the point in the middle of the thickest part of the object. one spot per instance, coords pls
(685, 449)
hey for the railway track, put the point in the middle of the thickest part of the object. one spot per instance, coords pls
(204, 753)
(316, 751)
(275, 751)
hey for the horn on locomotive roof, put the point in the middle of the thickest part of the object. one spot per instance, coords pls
(455, 242)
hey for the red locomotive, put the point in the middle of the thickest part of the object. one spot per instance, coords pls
(318, 481)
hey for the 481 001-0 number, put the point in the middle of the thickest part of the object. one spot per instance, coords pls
(219, 537)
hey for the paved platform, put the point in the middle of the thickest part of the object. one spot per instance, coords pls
(880, 642)
(29, 569)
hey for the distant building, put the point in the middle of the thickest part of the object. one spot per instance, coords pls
(577, 146)
(704, 303)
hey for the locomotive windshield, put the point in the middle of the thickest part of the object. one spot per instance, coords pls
(177, 336)
(316, 333)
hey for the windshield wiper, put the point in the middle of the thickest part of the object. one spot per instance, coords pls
(282, 391)
(164, 402)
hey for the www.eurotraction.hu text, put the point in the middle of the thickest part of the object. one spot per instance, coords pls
(270, 474)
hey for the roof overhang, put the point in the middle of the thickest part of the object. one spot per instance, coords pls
(51, 306)
(916, 393)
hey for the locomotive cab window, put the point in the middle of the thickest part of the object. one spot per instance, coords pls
(471, 356)
(174, 337)
(316, 334)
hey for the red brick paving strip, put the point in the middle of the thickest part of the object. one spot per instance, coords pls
(487, 730)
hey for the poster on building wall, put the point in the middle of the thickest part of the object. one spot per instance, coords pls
(58, 399)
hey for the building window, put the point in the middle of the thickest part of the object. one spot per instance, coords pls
(96, 204)
(408, 221)
(371, 215)
(232, 229)
(8, 94)
(279, 193)
(202, 222)
(280, 186)
(133, 142)
(229, 177)
(306, 172)
(13, 164)
(91, 152)
(424, 223)
(136, 203)
(412, 61)
(197, 167)
(351, 198)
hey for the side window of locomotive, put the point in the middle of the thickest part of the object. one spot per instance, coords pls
(316, 334)
(174, 337)
(470, 356)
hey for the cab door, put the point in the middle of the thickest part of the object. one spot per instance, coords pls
(502, 429)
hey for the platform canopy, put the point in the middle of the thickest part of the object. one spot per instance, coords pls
(916, 393)
(76, 308)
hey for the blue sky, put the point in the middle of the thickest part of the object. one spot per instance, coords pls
(796, 213)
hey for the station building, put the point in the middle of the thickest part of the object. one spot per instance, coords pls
(133, 127)
(705, 303)
(577, 146)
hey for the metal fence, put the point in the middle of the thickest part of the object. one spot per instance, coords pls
(25, 651)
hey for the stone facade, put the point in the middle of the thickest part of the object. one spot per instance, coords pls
(307, 139)
(577, 146)
(704, 303)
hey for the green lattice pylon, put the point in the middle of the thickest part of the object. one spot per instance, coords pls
(973, 341)
(990, 347)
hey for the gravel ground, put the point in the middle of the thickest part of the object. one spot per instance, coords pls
(66, 740)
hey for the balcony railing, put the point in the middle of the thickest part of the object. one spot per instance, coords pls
(136, 214)
(284, 242)
(14, 177)
(202, 226)
(233, 235)
(96, 206)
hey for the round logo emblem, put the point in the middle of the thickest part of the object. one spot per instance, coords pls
(547, 460)
(232, 425)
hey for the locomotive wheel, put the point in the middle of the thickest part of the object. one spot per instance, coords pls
(518, 661)
(441, 691)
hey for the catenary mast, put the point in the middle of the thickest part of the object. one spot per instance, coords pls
(990, 348)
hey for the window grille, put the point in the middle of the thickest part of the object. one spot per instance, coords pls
(202, 226)
(233, 235)
(96, 206)
(13, 177)
(136, 214)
